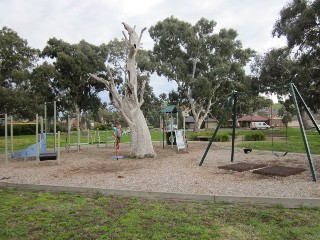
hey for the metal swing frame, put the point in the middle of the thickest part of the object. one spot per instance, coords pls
(287, 147)
(294, 93)
(246, 150)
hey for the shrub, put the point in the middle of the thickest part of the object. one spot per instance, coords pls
(100, 126)
(27, 130)
(62, 127)
(2, 130)
(222, 137)
(193, 136)
(254, 136)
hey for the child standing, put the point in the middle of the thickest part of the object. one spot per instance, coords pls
(117, 134)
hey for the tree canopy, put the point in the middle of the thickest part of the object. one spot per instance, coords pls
(72, 63)
(205, 65)
(17, 61)
(299, 61)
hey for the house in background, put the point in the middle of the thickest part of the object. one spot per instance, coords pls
(276, 121)
(245, 121)
(189, 122)
(209, 123)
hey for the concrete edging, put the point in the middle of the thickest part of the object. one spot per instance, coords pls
(267, 201)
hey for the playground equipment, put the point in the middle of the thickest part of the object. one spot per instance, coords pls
(38, 150)
(287, 145)
(168, 124)
(93, 137)
(54, 121)
(169, 128)
(78, 143)
(294, 93)
(247, 149)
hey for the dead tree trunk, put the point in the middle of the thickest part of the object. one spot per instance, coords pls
(129, 105)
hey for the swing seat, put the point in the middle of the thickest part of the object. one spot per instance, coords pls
(48, 156)
(279, 155)
(247, 150)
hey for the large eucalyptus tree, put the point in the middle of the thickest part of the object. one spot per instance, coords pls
(299, 23)
(299, 61)
(127, 99)
(72, 63)
(17, 60)
(204, 64)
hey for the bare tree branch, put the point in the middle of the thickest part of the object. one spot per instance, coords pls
(139, 41)
(99, 79)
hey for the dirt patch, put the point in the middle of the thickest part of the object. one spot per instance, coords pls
(241, 167)
(169, 171)
(279, 171)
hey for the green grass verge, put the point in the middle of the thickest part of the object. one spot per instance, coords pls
(295, 142)
(23, 141)
(42, 215)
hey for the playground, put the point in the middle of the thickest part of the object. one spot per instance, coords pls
(171, 171)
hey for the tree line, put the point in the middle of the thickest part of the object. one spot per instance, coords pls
(206, 63)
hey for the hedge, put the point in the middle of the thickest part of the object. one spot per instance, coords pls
(220, 137)
(254, 136)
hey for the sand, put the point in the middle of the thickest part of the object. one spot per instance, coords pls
(170, 171)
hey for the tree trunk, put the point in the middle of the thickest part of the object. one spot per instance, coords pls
(128, 104)
(197, 126)
(305, 121)
(141, 143)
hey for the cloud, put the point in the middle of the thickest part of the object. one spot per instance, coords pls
(162, 85)
(99, 21)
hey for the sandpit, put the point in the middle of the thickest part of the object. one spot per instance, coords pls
(170, 171)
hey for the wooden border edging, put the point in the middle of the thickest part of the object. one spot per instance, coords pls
(268, 201)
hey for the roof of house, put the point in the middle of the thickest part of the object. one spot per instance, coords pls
(190, 119)
(253, 119)
(213, 119)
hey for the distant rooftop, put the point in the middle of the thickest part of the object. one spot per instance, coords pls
(253, 118)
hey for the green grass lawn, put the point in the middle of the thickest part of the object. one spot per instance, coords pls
(23, 141)
(43, 215)
(293, 144)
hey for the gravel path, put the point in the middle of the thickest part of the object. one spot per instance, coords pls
(168, 172)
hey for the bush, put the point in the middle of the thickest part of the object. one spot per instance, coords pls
(2, 130)
(254, 136)
(19, 130)
(100, 126)
(62, 127)
(26, 130)
(193, 136)
(220, 137)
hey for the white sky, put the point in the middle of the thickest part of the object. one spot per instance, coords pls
(98, 21)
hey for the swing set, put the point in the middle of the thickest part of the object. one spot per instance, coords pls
(295, 95)
(272, 142)
(249, 149)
